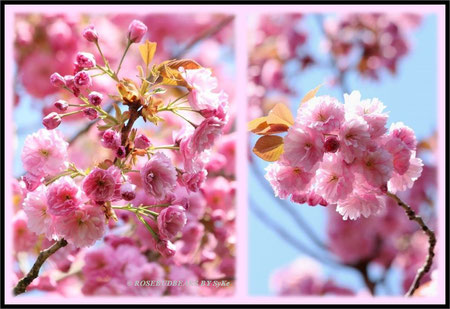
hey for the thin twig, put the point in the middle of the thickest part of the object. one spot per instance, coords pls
(431, 242)
(34, 272)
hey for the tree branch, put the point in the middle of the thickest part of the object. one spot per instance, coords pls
(34, 272)
(431, 241)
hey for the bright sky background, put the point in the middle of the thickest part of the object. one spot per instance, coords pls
(410, 96)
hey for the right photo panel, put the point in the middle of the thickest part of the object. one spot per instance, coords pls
(343, 163)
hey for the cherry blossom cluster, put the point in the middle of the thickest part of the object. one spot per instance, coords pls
(47, 43)
(343, 155)
(304, 277)
(181, 219)
(380, 39)
(276, 40)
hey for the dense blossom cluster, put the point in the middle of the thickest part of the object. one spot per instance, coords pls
(343, 154)
(304, 277)
(280, 48)
(171, 185)
(380, 39)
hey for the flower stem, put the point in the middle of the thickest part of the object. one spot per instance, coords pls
(123, 57)
(431, 242)
(101, 54)
(184, 118)
(173, 147)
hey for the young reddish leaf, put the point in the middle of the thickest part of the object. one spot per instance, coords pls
(269, 148)
(273, 129)
(257, 124)
(311, 94)
(147, 51)
(280, 114)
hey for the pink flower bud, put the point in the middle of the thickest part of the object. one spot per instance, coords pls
(142, 142)
(171, 220)
(136, 31)
(68, 80)
(31, 181)
(331, 144)
(90, 34)
(61, 105)
(95, 98)
(166, 248)
(85, 60)
(57, 80)
(90, 113)
(110, 139)
(82, 80)
(51, 121)
(128, 191)
(121, 152)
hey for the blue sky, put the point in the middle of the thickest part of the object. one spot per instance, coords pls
(410, 96)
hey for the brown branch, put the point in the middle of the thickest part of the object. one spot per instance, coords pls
(431, 241)
(34, 272)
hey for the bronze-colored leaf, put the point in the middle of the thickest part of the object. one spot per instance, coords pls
(257, 124)
(147, 51)
(169, 71)
(310, 94)
(280, 114)
(269, 148)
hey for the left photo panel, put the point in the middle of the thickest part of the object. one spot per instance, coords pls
(123, 159)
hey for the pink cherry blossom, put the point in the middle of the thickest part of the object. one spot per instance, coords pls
(201, 96)
(45, 153)
(61, 105)
(171, 220)
(24, 239)
(85, 60)
(376, 167)
(90, 34)
(370, 110)
(35, 206)
(99, 185)
(360, 203)
(100, 263)
(303, 147)
(63, 196)
(149, 272)
(82, 80)
(402, 182)
(111, 139)
(400, 153)
(83, 227)
(334, 180)
(142, 142)
(128, 191)
(287, 179)
(158, 176)
(405, 134)
(51, 121)
(322, 113)
(218, 192)
(206, 134)
(136, 31)
(95, 98)
(354, 137)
